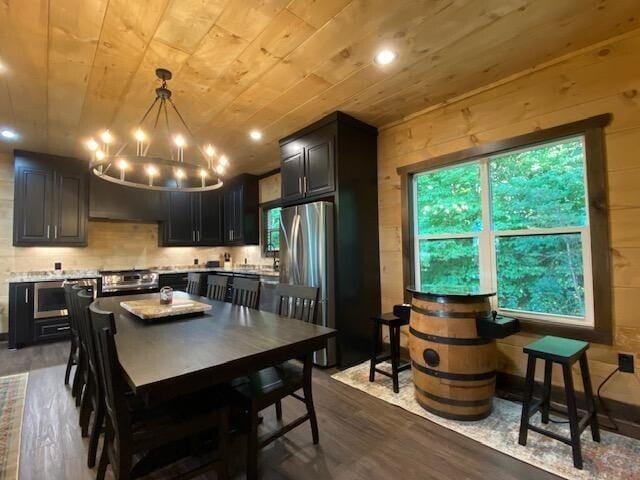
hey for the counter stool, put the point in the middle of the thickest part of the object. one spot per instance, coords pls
(565, 352)
(394, 323)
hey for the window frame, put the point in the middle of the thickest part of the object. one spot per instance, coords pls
(596, 259)
(265, 207)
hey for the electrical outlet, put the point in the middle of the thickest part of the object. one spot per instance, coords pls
(195, 261)
(57, 266)
(625, 362)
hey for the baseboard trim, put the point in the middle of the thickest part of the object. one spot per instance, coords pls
(625, 415)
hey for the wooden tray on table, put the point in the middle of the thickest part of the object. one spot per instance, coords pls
(152, 309)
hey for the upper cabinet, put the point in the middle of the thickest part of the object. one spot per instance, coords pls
(192, 219)
(50, 201)
(308, 163)
(241, 217)
(228, 216)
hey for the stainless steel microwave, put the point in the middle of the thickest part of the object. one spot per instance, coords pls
(49, 300)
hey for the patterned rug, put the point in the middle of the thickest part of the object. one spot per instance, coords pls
(12, 394)
(615, 457)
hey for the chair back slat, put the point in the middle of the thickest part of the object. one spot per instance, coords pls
(297, 301)
(193, 283)
(246, 292)
(217, 287)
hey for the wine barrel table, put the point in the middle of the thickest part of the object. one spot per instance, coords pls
(454, 369)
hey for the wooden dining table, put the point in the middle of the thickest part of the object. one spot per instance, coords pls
(163, 358)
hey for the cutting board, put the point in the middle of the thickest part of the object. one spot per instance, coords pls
(151, 308)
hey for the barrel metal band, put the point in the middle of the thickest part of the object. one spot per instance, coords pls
(449, 340)
(450, 314)
(454, 402)
(463, 377)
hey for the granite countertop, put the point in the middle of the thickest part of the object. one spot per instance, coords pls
(53, 275)
(253, 270)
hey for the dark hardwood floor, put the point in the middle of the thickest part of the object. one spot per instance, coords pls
(361, 437)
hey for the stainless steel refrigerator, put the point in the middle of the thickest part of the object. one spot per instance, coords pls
(306, 258)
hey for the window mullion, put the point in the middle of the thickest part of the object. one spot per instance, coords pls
(485, 248)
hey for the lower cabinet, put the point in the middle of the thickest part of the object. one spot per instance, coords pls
(177, 281)
(23, 328)
(51, 329)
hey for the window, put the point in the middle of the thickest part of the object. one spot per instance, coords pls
(515, 222)
(271, 228)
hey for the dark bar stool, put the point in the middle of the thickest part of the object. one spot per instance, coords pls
(565, 352)
(394, 322)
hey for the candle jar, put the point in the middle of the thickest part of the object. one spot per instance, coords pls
(166, 295)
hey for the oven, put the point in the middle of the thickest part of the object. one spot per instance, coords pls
(49, 300)
(128, 282)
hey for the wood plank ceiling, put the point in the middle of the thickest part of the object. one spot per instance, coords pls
(70, 67)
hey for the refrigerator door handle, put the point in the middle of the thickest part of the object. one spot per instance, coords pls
(295, 233)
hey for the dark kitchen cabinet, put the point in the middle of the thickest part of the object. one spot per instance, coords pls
(178, 228)
(192, 219)
(241, 217)
(308, 164)
(50, 200)
(335, 160)
(292, 174)
(210, 216)
(20, 314)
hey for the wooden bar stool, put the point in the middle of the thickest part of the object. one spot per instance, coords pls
(394, 323)
(565, 352)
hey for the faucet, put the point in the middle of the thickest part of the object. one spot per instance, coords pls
(275, 253)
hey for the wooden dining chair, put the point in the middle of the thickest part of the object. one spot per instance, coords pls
(93, 396)
(194, 284)
(270, 386)
(245, 292)
(217, 287)
(82, 370)
(129, 432)
(74, 352)
(297, 301)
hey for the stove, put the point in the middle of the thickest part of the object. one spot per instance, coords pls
(128, 282)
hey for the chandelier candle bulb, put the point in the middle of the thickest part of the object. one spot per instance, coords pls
(92, 145)
(140, 137)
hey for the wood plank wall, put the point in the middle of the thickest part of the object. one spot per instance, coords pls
(600, 79)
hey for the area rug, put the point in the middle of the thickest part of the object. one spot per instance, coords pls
(615, 457)
(13, 390)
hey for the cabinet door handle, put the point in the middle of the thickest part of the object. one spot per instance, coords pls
(62, 329)
(305, 184)
(193, 235)
(55, 231)
(26, 295)
(198, 235)
(300, 184)
(48, 231)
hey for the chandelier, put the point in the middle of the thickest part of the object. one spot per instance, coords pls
(118, 164)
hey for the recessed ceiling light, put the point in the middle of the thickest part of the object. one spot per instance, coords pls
(385, 57)
(8, 134)
(255, 134)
